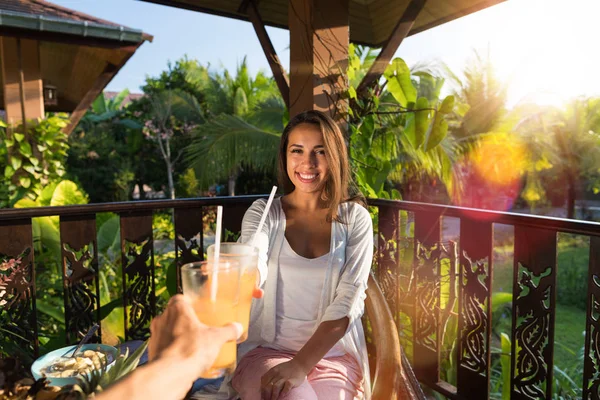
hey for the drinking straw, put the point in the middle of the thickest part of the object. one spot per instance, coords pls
(264, 215)
(213, 289)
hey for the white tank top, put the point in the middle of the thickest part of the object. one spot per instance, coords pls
(299, 289)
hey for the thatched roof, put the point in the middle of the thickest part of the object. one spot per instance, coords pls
(371, 21)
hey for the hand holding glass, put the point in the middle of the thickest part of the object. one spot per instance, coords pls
(214, 292)
(247, 257)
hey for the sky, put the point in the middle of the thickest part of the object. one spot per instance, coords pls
(545, 50)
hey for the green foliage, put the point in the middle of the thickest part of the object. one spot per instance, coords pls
(242, 129)
(224, 143)
(187, 184)
(399, 83)
(108, 154)
(395, 136)
(46, 230)
(30, 160)
(162, 226)
(564, 144)
(482, 97)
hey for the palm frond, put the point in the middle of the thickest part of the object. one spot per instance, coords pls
(268, 115)
(187, 108)
(224, 143)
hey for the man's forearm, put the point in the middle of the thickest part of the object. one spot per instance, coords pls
(325, 337)
(159, 379)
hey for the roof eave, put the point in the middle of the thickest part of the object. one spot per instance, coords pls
(39, 23)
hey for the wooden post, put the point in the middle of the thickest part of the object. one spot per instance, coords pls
(22, 77)
(319, 39)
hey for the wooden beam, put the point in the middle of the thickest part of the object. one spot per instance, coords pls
(101, 81)
(400, 32)
(22, 78)
(263, 37)
(319, 38)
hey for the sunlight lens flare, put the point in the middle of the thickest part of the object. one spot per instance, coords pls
(490, 175)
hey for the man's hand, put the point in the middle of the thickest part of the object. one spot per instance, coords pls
(282, 378)
(178, 334)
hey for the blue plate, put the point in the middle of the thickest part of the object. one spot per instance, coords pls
(44, 361)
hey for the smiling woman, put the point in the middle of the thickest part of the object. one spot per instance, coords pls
(306, 339)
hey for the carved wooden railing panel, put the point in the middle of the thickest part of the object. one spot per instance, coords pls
(387, 257)
(591, 367)
(426, 334)
(79, 250)
(474, 309)
(137, 253)
(534, 288)
(189, 239)
(17, 287)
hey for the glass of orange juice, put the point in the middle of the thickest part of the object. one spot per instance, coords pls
(215, 293)
(247, 257)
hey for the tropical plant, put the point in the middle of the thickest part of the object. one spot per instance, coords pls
(481, 98)
(565, 148)
(30, 160)
(244, 119)
(395, 135)
(223, 144)
(105, 110)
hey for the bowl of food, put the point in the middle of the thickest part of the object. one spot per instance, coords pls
(61, 369)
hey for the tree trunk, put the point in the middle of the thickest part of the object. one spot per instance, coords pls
(232, 178)
(231, 184)
(170, 178)
(571, 194)
(140, 185)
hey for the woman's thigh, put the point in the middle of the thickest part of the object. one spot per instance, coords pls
(247, 377)
(337, 378)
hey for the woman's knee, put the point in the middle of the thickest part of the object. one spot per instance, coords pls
(302, 392)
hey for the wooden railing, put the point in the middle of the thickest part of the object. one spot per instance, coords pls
(441, 279)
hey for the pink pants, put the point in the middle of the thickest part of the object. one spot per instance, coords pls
(338, 378)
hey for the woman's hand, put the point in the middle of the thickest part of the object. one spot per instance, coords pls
(281, 379)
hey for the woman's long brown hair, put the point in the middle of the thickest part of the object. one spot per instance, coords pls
(339, 186)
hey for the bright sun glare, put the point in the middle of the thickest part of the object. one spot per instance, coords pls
(547, 52)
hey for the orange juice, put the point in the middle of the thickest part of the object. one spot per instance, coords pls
(218, 313)
(214, 291)
(247, 257)
(248, 279)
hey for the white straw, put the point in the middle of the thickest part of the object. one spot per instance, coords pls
(264, 216)
(213, 289)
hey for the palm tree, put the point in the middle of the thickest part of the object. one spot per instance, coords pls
(481, 96)
(566, 139)
(244, 119)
